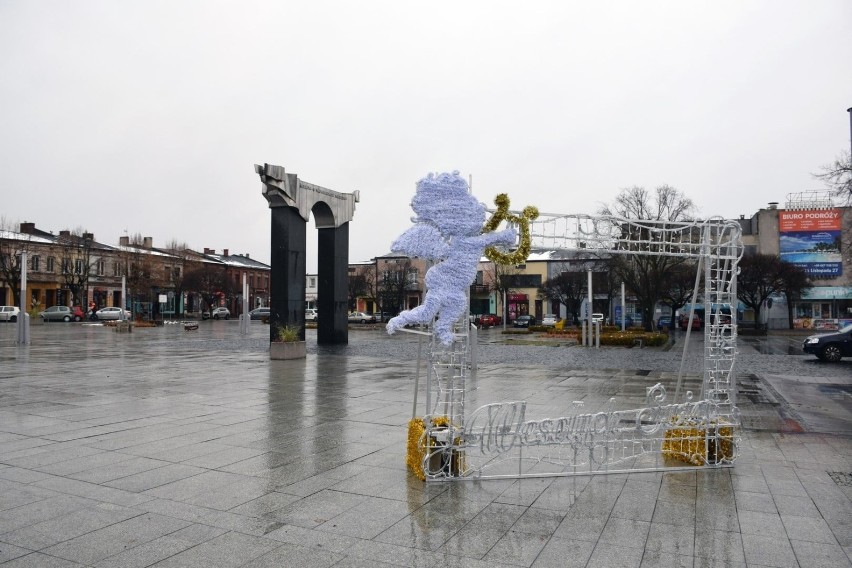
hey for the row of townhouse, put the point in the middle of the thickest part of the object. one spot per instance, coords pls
(73, 268)
(809, 232)
(392, 283)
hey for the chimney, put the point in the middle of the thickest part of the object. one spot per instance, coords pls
(742, 216)
(773, 205)
(65, 233)
(225, 252)
(124, 241)
(27, 227)
(147, 242)
(88, 237)
(247, 255)
(209, 251)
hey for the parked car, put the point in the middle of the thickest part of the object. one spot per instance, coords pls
(524, 321)
(628, 321)
(683, 323)
(361, 317)
(9, 313)
(549, 319)
(665, 322)
(59, 313)
(310, 314)
(113, 313)
(490, 320)
(259, 313)
(220, 313)
(830, 346)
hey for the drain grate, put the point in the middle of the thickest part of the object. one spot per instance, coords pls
(840, 478)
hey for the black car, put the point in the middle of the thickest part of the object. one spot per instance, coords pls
(524, 321)
(830, 346)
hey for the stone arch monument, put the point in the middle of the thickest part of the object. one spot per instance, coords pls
(291, 202)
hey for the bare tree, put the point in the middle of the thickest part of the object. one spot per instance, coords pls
(645, 274)
(358, 288)
(794, 283)
(838, 176)
(568, 288)
(395, 284)
(498, 278)
(678, 285)
(759, 278)
(176, 272)
(12, 245)
(209, 280)
(78, 262)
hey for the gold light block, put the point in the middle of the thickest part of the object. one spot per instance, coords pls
(698, 443)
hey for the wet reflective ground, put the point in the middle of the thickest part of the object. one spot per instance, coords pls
(172, 448)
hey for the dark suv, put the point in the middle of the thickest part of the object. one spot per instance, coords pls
(830, 346)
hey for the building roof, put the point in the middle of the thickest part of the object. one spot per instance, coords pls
(15, 236)
(239, 261)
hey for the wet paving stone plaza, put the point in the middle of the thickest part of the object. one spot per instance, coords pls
(166, 447)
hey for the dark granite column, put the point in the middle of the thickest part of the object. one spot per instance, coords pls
(333, 292)
(287, 279)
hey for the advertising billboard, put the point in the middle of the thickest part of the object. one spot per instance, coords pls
(811, 240)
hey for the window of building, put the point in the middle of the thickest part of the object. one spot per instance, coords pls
(66, 266)
(251, 280)
(100, 267)
(521, 280)
(411, 277)
(78, 266)
(51, 264)
(312, 282)
(34, 263)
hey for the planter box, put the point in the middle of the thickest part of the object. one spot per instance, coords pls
(289, 350)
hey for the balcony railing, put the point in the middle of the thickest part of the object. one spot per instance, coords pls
(478, 289)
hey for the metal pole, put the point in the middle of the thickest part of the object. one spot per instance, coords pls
(244, 308)
(591, 309)
(123, 297)
(623, 314)
(23, 321)
(849, 110)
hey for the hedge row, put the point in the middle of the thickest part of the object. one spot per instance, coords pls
(611, 336)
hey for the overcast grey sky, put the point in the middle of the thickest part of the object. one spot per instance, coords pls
(148, 116)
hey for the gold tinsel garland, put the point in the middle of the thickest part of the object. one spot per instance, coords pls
(417, 448)
(529, 213)
(687, 441)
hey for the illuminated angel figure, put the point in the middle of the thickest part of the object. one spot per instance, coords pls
(447, 229)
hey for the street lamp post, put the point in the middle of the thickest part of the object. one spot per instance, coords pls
(849, 110)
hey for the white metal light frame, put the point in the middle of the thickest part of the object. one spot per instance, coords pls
(498, 440)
